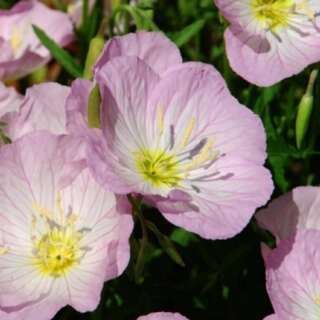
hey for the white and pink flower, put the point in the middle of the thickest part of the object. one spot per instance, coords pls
(268, 41)
(62, 235)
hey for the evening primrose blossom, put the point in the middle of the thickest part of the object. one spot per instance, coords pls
(61, 234)
(183, 142)
(21, 50)
(270, 40)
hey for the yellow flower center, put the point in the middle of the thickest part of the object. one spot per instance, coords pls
(159, 168)
(272, 13)
(57, 251)
(56, 241)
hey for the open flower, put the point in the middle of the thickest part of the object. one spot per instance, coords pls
(62, 235)
(182, 141)
(163, 316)
(270, 40)
(21, 51)
(292, 272)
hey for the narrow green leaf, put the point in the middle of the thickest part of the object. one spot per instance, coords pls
(166, 244)
(182, 37)
(58, 53)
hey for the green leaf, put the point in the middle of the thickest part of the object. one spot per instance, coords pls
(140, 17)
(166, 244)
(182, 37)
(182, 237)
(58, 53)
(6, 4)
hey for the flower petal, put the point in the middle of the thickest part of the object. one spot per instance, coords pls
(43, 108)
(292, 274)
(153, 48)
(126, 83)
(163, 316)
(297, 209)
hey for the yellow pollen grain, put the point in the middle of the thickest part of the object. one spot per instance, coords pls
(317, 299)
(16, 39)
(188, 131)
(3, 251)
(160, 119)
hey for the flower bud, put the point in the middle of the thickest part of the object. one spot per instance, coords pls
(304, 110)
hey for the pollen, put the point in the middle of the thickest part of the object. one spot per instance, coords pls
(56, 241)
(158, 167)
(16, 40)
(272, 14)
(3, 251)
(57, 251)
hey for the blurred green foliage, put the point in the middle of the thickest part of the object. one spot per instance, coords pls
(220, 280)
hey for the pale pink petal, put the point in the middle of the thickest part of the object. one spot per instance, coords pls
(272, 317)
(43, 108)
(264, 60)
(126, 83)
(293, 281)
(10, 100)
(153, 48)
(77, 105)
(297, 209)
(163, 316)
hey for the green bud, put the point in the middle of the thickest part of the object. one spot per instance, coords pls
(305, 110)
(94, 108)
(95, 48)
(39, 75)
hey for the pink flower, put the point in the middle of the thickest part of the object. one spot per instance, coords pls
(182, 141)
(156, 50)
(268, 41)
(163, 316)
(292, 272)
(62, 235)
(21, 51)
(297, 209)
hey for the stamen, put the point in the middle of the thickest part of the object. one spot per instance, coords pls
(172, 142)
(198, 147)
(188, 131)
(56, 248)
(195, 188)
